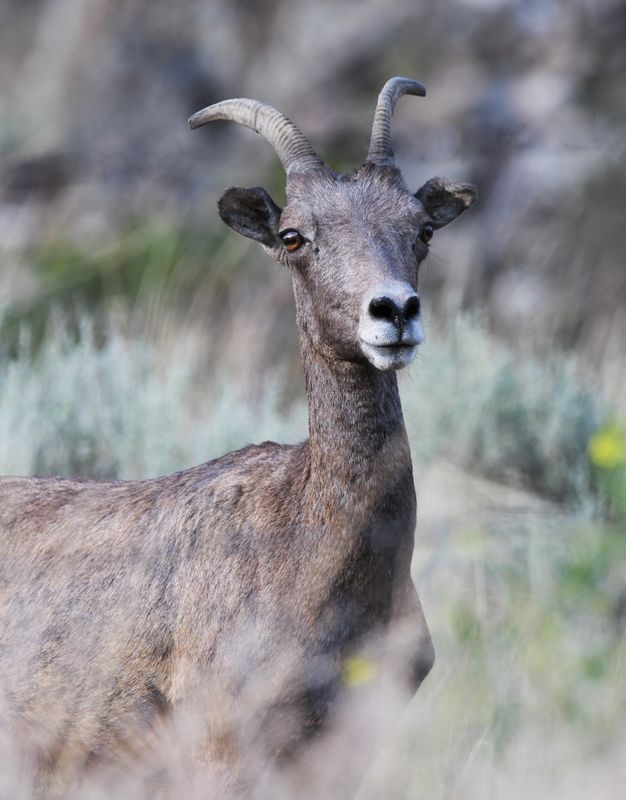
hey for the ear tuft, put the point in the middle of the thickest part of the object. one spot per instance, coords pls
(444, 200)
(252, 213)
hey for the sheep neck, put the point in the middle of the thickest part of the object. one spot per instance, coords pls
(357, 436)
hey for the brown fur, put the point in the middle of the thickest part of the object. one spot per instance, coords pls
(252, 576)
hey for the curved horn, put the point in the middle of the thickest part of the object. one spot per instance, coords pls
(291, 146)
(381, 151)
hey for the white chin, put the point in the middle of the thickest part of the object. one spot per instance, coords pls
(386, 358)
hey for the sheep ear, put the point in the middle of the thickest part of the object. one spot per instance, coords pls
(444, 200)
(252, 213)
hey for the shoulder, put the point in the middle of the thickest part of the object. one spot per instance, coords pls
(255, 460)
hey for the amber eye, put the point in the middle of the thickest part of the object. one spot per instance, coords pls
(292, 240)
(426, 233)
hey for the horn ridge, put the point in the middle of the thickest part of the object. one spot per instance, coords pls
(380, 149)
(291, 145)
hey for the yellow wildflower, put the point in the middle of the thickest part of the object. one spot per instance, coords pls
(358, 671)
(607, 447)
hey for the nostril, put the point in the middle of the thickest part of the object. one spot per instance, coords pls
(412, 307)
(383, 308)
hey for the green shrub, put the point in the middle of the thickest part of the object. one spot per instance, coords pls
(125, 407)
(522, 421)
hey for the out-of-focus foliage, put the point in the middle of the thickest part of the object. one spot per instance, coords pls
(526, 98)
(607, 452)
(110, 406)
(527, 696)
(524, 421)
(147, 264)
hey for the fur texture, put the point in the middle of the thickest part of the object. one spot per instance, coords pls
(257, 575)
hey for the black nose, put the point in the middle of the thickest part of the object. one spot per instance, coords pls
(389, 309)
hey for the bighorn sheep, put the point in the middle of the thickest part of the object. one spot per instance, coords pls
(263, 573)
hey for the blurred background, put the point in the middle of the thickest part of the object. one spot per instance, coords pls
(139, 335)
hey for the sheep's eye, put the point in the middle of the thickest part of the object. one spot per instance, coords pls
(426, 234)
(292, 240)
